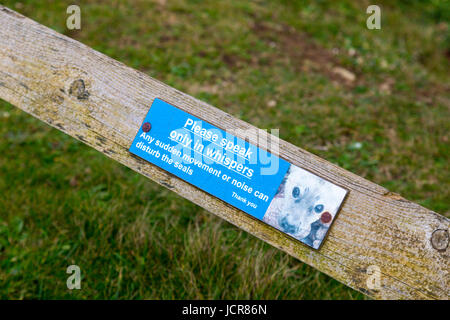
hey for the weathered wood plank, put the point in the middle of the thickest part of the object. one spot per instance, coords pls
(102, 102)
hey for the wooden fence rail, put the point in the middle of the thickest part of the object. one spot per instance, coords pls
(102, 103)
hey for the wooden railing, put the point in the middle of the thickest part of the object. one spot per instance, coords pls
(380, 244)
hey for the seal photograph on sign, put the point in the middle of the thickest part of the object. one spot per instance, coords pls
(305, 206)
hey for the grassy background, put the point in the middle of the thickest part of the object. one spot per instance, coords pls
(267, 62)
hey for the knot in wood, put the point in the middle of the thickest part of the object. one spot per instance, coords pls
(78, 89)
(440, 239)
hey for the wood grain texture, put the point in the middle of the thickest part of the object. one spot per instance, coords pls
(102, 103)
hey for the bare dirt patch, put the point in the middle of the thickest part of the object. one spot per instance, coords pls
(304, 54)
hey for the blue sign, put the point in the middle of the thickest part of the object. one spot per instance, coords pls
(211, 159)
(237, 172)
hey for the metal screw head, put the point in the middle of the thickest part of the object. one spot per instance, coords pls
(440, 239)
(146, 127)
(326, 217)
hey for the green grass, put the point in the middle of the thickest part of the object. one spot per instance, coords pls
(63, 203)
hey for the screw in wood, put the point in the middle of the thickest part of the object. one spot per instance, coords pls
(440, 239)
